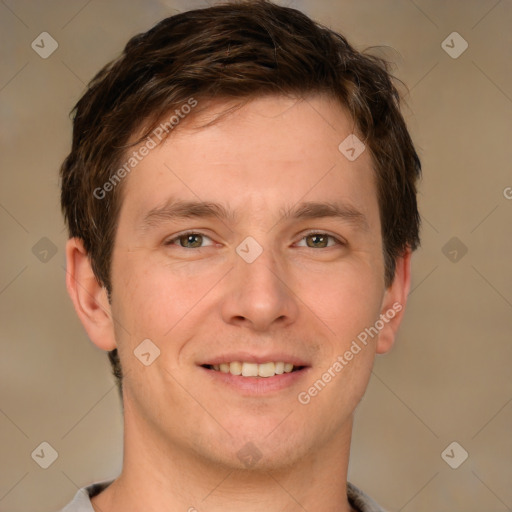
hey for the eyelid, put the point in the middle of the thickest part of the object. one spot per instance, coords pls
(173, 238)
(169, 241)
(339, 241)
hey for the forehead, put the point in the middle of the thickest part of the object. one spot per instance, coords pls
(273, 149)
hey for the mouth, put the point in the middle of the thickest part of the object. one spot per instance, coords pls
(254, 370)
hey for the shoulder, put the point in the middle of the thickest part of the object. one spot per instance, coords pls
(82, 500)
(361, 501)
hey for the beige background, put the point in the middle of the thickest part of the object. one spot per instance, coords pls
(447, 379)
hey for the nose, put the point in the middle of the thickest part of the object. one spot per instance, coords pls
(259, 295)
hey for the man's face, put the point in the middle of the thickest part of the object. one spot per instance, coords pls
(209, 297)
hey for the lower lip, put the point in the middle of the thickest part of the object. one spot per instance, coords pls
(257, 385)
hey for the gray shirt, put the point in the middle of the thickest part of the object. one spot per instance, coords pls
(82, 502)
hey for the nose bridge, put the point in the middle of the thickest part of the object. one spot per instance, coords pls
(261, 274)
(259, 293)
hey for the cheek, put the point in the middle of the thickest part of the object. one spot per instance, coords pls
(347, 297)
(156, 296)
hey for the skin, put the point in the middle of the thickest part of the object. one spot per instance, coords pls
(183, 428)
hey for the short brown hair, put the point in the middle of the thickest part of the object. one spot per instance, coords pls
(238, 50)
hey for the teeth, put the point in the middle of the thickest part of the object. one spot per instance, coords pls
(267, 370)
(254, 369)
(279, 368)
(235, 368)
(250, 369)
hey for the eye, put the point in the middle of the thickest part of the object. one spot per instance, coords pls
(190, 240)
(319, 241)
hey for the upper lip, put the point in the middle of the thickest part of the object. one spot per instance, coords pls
(246, 357)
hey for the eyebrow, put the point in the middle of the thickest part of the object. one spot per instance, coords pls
(318, 210)
(178, 209)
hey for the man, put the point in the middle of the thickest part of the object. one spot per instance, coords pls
(241, 203)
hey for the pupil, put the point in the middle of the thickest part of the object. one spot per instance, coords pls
(191, 241)
(317, 241)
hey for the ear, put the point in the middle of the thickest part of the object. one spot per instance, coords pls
(393, 303)
(89, 296)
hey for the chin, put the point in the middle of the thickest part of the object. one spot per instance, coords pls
(252, 458)
(261, 451)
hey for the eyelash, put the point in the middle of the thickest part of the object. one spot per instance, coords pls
(186, 233)
(171, 241)
(320, 233)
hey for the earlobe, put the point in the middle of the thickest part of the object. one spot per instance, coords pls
(393, 304)
(89, 296)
